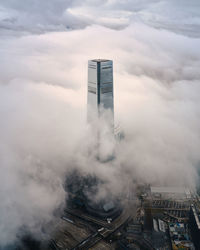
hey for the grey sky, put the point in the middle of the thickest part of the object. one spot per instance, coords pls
(51, 15)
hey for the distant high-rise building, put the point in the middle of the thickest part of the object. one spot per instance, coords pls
(100, 88)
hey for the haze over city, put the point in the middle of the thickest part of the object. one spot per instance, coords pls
(44, 51)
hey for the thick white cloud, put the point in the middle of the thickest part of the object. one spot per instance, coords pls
(39, 131)
(43, 81)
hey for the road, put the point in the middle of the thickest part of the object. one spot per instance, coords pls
(83, 216)
(88, 242)
(143, 243)
(108, 228)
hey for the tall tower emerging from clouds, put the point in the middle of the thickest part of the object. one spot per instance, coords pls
(100, 88)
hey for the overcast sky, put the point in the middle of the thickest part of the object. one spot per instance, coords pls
(180, 16)
(44, 49)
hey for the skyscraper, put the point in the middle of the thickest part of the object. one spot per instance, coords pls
(100, 88)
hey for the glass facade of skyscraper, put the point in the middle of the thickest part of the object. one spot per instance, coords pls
(100, 87)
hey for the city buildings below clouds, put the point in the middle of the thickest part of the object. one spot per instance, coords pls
(171, 192)
(194, 222)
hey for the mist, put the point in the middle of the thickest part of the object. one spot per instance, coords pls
(43, 92)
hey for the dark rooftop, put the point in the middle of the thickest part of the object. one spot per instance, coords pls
(100, 60)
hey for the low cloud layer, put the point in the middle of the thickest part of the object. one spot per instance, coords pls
(43, 93)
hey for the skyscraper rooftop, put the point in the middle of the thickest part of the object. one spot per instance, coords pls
(100, 60)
